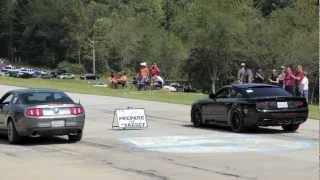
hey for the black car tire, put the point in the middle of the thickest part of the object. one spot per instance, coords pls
(13, 136)
(75, 137)
(291, 127)
(196, 118)
(237, 123)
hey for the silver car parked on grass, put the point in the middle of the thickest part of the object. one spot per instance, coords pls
(40, 112)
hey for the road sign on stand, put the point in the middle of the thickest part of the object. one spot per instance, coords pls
(130, 118)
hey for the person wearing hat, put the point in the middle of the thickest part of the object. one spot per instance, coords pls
(245, 74)
(143, 76)
(144, 70)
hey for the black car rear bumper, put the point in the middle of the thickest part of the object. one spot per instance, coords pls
(276, 117)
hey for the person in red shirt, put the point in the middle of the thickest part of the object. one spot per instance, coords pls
(289, 81)
(154, 70)
(298, 76)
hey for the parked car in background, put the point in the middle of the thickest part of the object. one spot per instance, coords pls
(60, 71)
(36, 74)
(47, 75)
(4, 73)
(243, 106)
(13, 72)
(25, 73)
(66, 76)
(37, 112)
(89, 76)
(7, 68)
(57, 73)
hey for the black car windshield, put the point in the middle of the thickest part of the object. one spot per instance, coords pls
(255, 92)
(33, 98)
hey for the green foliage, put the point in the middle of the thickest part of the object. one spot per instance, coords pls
(72, 68)
(203, 41)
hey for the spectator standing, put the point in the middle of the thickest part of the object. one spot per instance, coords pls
(154, 70)
(282, 76)
(274, 78)
(245, 74)
(289, 81)
(304, 86)
(144, 71)
(258, 76)
(298, 76)
(143, 76)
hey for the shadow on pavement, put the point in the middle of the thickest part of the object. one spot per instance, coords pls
(31, 141)
(257, 130)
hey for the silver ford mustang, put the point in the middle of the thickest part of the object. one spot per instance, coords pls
(40, 112)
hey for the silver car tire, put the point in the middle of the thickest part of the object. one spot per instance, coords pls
(75, 137)
(13, 136)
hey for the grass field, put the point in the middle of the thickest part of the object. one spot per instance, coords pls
(314, 112)
(84, 87)
(80, 86)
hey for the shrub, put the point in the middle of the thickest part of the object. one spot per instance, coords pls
(72, 68)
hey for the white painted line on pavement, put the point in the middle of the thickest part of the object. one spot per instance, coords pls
(217, 143)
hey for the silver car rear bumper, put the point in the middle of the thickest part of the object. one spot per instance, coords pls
(35, 126)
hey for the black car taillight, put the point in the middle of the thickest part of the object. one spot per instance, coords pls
(264, 105)
(299, 104)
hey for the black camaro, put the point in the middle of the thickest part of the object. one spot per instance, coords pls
(242, 106)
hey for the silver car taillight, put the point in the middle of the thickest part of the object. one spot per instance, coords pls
(76, 110)
(34, 112)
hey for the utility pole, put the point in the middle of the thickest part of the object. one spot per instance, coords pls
(79, 55)
(92, 44)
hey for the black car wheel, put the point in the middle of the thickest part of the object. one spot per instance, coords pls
(13, 136)
(196, 118)
(75, 137)
(291, 127)
(237, 124)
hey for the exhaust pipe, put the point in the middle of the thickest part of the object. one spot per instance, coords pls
(35, 134)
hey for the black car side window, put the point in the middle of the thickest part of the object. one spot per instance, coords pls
(224, 93)
(235, 94)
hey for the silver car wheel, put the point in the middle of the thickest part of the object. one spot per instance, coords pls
(10, 131)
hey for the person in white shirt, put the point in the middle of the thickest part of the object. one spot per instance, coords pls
(304, 86)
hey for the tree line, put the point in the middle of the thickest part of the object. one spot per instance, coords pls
(202, 41)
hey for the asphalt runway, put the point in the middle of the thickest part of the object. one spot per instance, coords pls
(169, 149)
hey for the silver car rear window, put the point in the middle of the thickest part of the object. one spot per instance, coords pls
(33, 98)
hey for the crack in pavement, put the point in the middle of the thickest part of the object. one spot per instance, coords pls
(97, 145)
(149, 173)
(10, 154)
(212, 171)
